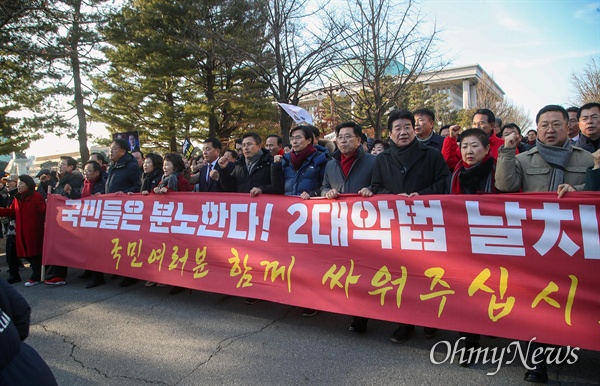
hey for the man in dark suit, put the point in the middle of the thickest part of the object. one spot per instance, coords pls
(211, 152)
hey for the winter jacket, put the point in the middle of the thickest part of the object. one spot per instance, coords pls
(308, 178)
(43, 186)
(151, 180)
(235, 177)
(436, 141)
(592, 179)
(530, 173)
(586, 144)
(74, 180)
(124, 175)
(358, 177)
(96, 187)
(20, 364)
(426, 173)
(29, 211)
(183, 185)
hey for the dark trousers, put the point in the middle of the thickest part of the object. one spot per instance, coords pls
(36, 267)
(11, 256)
(58, 271)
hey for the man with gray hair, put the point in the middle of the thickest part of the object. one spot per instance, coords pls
(553, 165)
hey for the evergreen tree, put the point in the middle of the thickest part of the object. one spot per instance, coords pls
(27, 105)
(171, 75)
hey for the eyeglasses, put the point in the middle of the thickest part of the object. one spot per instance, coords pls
(585, 118)
(345, 138)
(556, 125)
(248, 144)
(296, 138)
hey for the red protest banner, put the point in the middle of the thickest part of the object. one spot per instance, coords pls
(514, 265)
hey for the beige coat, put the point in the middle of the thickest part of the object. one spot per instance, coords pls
(529, 172)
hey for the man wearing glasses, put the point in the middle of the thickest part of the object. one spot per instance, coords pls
(554, 165)
(589, 124)
(349, 171)
(350, 168)
(251, 173)
(124, 176)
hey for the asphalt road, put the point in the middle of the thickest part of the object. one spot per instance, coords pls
(138, 336)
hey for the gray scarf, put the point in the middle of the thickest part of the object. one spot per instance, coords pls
(170, 181)
(251, 162)
(558, 157)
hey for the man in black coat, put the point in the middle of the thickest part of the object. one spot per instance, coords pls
(408, 168)
(251, 173)
(124, 175)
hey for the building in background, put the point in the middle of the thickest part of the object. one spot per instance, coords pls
(52, 161)
(460, 85)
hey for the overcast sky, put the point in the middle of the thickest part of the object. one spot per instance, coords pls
(529, 47)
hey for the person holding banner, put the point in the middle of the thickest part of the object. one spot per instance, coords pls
(350, 167)
(251, 173)
(94, 184)
(70, 186)
(301, 171)
(28, 209)
(124, 173)
(123, 176)
(409, 169)
(153, 172)
(173, 180)
(473, 175)
(553, 165)
(349, 171)
(553, 162)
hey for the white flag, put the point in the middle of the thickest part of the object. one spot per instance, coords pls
(298, 114)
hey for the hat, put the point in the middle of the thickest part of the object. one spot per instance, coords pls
(12, 177)
(42, 172)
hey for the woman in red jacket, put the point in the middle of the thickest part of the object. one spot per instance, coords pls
(29, 209)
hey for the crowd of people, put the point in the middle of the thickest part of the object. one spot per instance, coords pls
(561, 155)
